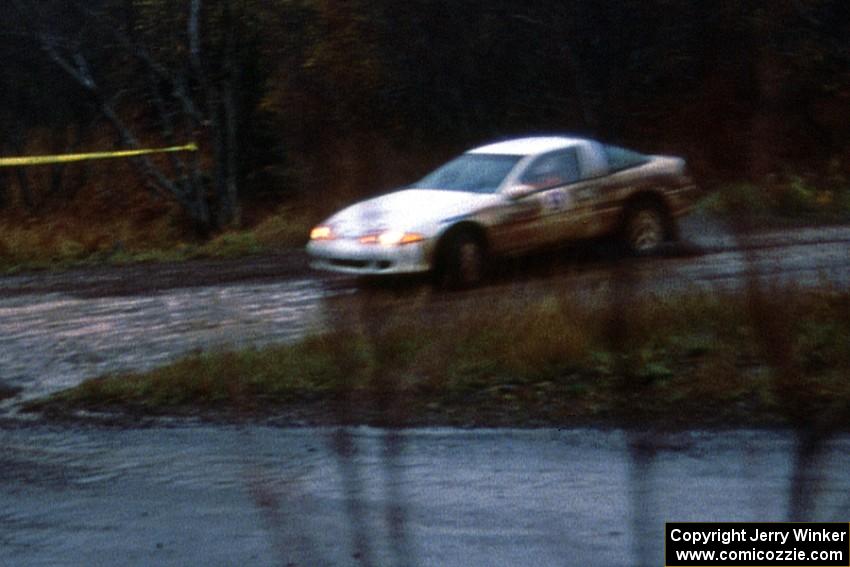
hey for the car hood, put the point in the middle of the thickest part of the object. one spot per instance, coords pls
(409, 209)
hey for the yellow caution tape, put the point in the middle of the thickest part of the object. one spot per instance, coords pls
(67, 158)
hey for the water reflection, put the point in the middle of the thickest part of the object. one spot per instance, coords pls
(267, 496)
(50, 342)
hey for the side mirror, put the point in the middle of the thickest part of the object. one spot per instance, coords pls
(515, 192)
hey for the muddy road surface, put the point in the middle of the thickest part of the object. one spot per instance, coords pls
(305, 497)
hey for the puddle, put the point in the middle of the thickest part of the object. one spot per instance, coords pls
(52, 342)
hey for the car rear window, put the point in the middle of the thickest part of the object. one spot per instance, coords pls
(621, 158)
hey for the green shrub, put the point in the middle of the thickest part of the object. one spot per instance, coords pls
(796, 196)
(740, 198)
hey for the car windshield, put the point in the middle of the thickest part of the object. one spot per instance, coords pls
(475, 173)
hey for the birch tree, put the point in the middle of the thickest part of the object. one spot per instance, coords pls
(187, 79)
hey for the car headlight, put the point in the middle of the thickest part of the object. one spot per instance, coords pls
(391, 238)
(322, 232)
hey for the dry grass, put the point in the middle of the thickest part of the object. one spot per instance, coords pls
(63, 241)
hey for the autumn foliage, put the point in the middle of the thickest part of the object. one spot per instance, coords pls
(319, 102)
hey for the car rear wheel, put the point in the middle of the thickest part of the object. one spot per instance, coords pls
(463, 262)
(645, 229)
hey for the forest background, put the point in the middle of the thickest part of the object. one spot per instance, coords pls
(300, 106)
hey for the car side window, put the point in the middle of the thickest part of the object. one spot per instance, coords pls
(552, 170)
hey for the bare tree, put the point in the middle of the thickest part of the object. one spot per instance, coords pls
(188, 103)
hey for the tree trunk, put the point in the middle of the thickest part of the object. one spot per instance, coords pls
(25, 190)
(230, 213)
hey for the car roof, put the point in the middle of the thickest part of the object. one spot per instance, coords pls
(528, 146)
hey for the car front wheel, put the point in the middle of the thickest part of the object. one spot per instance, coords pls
(463, 262)
(644, 230)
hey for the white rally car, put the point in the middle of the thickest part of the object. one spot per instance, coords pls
(503, 199)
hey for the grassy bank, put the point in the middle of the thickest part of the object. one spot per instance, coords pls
(64, 241)
(706, 359)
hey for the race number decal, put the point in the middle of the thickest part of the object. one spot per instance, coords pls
(556, 200)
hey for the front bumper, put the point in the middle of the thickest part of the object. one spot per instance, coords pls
(351, 257)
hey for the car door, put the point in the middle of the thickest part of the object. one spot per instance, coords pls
(589, 196)
(542, 216)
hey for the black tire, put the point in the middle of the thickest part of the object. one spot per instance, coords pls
(462, 262)
(645, 229)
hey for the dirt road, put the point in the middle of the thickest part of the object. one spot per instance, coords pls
(221, 496)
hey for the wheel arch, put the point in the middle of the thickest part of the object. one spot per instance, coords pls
(650, 197)
(466, 226)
